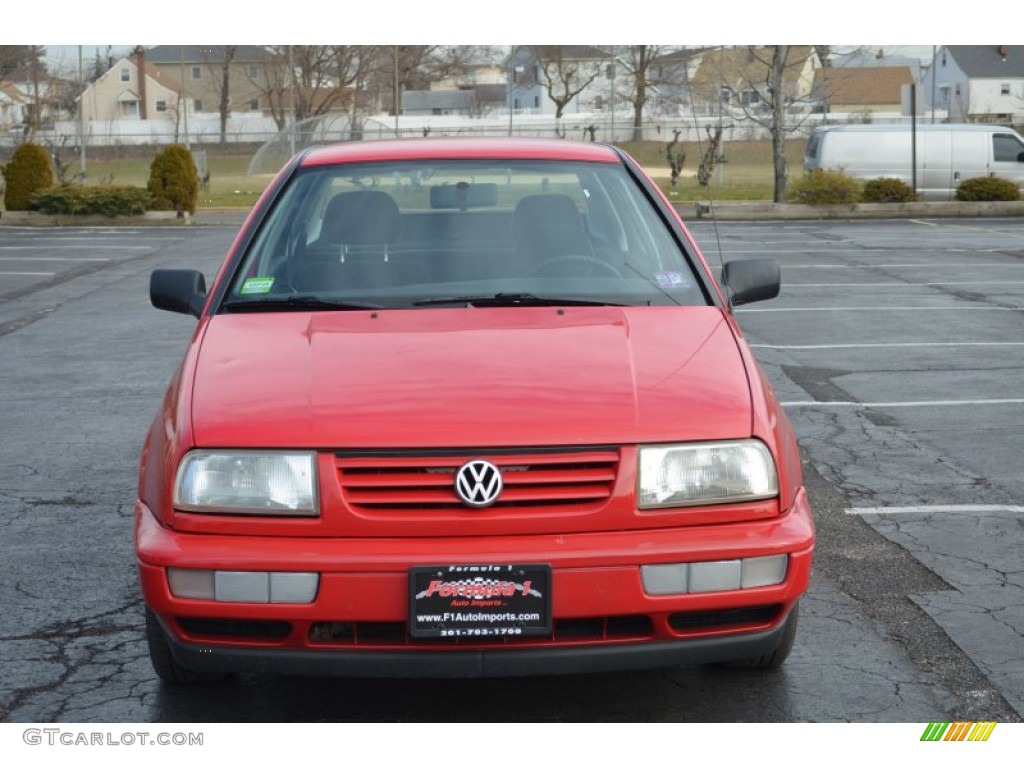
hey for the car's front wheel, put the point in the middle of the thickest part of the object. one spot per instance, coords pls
(166, 666)
(778, 656)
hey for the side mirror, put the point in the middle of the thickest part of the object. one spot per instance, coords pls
(178, 290)
(751, 280)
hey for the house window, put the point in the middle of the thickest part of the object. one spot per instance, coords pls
(956, 89)
(254, 105)
(125, 75)
(750, 98)
(197, 105)
(598, 102)
(1004, 89)
(726, 94)
(197, 73)
(161, 106)
(129, 109)
(536, 101)
(253, 70)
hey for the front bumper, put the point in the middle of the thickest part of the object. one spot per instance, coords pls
(603, 619)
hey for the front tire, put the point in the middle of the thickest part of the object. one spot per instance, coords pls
(775, 658)
(165, 665)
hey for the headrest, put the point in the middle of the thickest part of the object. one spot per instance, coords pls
(364, 217)
(547, 211)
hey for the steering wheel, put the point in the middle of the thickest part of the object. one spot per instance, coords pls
(575, 257)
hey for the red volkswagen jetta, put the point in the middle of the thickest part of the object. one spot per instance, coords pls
(468, 408)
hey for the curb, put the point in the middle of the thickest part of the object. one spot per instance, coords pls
(36, 219)
(756, 211)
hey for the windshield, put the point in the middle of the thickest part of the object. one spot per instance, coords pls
(482, 232)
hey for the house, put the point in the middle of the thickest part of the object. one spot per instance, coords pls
(35, 96)
(977, 83)
(738, 77)
(124, 92)
(860, 90)
(574, 74)
(13, 106)
(198, 70)
(451, 102)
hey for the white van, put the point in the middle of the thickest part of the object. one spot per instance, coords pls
(946, 154)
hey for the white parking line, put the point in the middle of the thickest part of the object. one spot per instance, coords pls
(52, 258)
(30, 274)
(955, 509)
(930, 265)
(82, 247)
(899, 404)
(901, 285)
(900, 344)
(884, 309)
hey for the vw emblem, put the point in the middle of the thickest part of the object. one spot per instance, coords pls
(478, 483)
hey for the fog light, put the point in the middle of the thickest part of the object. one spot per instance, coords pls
(293, 587)
(664, 579)
(243, 586)
(191, 582)
(716, 576)
(764, 571)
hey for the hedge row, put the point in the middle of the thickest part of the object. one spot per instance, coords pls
(105, 201)
(29, 185)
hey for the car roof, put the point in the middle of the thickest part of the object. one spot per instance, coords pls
(458, 148)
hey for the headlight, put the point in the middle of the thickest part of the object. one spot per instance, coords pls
(705, 473)
(247, 482)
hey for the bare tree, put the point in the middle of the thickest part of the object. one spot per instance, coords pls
(676, 156)
(224, 91)
(565, 72)
(763, 83)
(651, 70)
(312, 79)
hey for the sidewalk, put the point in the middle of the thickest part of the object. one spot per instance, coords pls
(726, 210)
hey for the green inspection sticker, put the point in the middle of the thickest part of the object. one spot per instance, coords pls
(257, 285)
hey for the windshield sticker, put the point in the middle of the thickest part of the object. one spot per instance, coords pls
(255, 285)
(670, 280)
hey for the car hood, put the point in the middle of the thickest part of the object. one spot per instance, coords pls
(467, 377)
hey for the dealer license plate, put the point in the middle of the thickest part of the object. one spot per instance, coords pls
(480, 601)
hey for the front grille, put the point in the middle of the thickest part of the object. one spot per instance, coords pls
(387, 633)
(543, 478)
(242, 629)
(730, 617)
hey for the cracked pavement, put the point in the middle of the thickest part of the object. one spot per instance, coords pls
(909, 619)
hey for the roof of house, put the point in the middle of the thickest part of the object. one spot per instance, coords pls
(747, 64)
(203, 54)
(438, 100)
(862, 85)
(572, 52)
(989, 60)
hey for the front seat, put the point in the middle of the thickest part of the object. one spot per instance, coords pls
(353, 250)
(546, 227)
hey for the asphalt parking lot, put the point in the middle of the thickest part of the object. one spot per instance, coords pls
(896, 347)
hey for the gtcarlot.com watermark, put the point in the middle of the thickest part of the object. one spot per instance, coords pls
(66, 737)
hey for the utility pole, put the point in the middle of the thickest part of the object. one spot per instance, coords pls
(81, 115)
(397, 106)
(291, 93)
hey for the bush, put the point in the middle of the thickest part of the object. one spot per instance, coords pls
(824, 187)
(174, 180)
(29, 171)
(887, 191)
(987, 188)
(106, 201)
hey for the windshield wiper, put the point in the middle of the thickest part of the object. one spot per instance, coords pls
(516, 300)
(296, 302)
